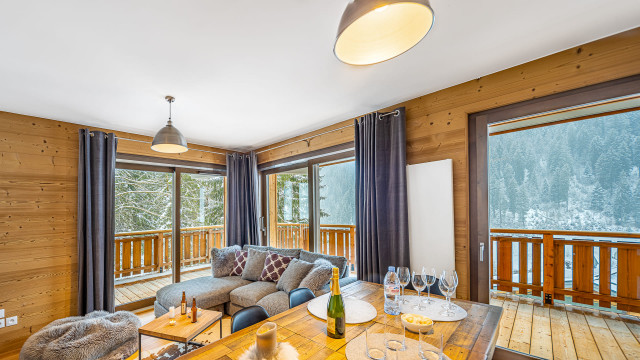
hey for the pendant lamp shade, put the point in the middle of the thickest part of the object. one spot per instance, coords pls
(372, 31)
(169, 139)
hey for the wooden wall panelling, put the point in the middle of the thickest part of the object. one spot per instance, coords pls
(38, 210)
(437, 122)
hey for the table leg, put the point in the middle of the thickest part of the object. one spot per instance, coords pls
(139, 346)
(220, 322)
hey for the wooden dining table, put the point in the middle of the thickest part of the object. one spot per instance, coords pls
(474, 337)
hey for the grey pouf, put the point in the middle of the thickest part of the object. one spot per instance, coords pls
(97, 335)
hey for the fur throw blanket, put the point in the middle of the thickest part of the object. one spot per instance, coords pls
(97, 335)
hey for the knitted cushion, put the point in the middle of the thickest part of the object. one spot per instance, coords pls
(274, 266)
(222, 260)
(319, 276)
(255, 264)
(239, 262)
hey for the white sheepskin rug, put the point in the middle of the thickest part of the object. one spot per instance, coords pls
(96, 336)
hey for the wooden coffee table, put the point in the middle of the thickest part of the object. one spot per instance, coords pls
(183, 331)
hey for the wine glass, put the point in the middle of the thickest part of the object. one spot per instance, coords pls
(430, 279)
(442, 285)
(448, 284)
(405, 277)
(419, 283)
(452, 277)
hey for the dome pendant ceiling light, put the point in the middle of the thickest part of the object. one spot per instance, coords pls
(169, 139)
(373, 31)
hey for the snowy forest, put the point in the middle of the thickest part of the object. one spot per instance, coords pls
(581, 175)
(143, 200)
(337, 196)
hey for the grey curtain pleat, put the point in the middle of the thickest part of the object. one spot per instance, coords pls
(242, 193)
(96, 221)
(382, 223)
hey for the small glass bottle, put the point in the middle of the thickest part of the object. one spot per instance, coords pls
(194, 312)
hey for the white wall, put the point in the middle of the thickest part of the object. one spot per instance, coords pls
(430, 193)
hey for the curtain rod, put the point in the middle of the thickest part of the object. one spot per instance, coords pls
(308, 139)
(149, 142)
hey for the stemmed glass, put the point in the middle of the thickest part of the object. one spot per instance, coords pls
(419, 283)
(453, 284)
(430, 277)
(405, 277)
(447, 285)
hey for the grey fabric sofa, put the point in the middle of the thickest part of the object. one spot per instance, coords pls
(231, 293)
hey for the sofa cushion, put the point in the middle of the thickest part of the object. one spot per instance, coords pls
(293, 275)
(239, 262)
(275, 303)
(222, 260)
(250, 294)
(255, 264)
(286, 252)
(319, 275)
(294, 253)
(338, 261)
(274, 265)
(256, 247)
(343, 282)
(208, 291)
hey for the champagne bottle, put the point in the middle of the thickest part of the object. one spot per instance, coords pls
(335, 310)
(194, 311)
(183, 305)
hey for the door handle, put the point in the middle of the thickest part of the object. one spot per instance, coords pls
(262, 227)
(481, 252)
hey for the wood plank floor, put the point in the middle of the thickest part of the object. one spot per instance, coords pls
(565, 331)
(143, 289)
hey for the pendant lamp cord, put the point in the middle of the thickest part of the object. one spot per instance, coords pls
(170, 101)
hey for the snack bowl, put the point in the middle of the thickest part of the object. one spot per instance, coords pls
(415, 323)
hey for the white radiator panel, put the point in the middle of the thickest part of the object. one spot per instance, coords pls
(431, 229)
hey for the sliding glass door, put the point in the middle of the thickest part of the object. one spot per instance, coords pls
(148, 201)
(289, 209)
(202, 216)
(337, 209)
(312, 206)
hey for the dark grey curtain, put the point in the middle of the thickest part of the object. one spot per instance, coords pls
(382, 223)
(96, 225)
(242, 195)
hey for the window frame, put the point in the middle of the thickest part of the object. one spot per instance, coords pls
(478, 133)
(337, 154)
(176, 167)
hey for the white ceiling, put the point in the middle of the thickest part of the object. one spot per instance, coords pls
(249, 73)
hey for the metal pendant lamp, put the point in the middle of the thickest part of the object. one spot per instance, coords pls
(373, 31)
(169, 139)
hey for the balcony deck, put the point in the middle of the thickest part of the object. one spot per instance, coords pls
(143, 259)
(146, 288)
(563, 331)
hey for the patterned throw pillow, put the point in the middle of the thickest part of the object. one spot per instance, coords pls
(239, 262)
(274, 266)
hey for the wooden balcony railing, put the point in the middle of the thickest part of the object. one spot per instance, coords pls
(589, 251)
(334, 239)
(144, 252)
